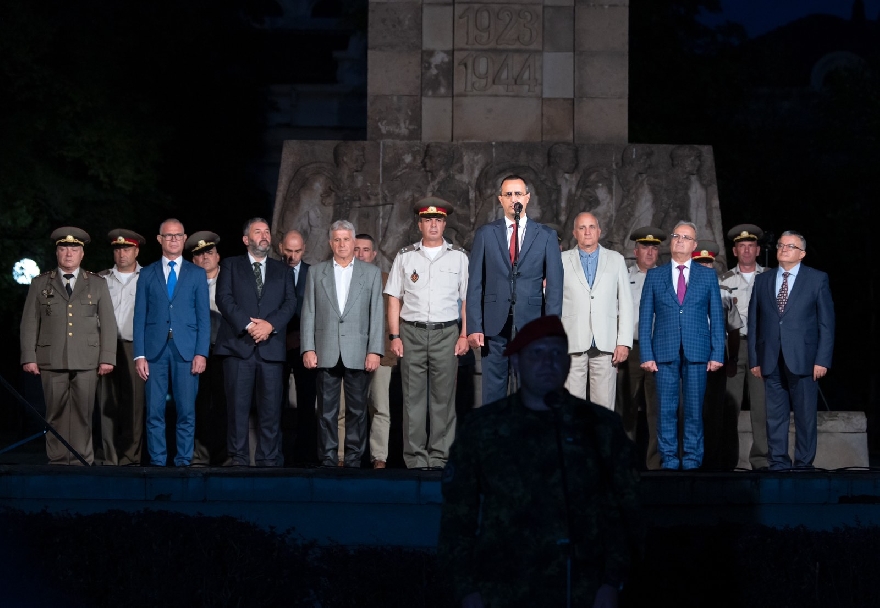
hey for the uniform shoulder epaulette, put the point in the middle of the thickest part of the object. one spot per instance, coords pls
(459, 248)
(105, 273)
(94, 274)
(48, 272)
(728, 274)
(726, 288)
(408, 248)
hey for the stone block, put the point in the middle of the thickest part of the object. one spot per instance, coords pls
(601, 2)
(497, 26)
(436, 118)
(558, 70)
(557, 120)
(497, 73)
(601, 28)
(394, 117)
(437, 73)
(600, 121)
(558, 3)
(842, 440)
(601, 75)
(437, 22)
(558, 28)
(496, 119)
(395, 26)
(393, 73)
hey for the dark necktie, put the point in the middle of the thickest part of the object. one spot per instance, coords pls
(513, 237)
(68, 278)
(782, 297)
(682, 285)
(172, 279)
(259, 277)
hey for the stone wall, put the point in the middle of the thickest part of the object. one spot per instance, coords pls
(510, 70)
(375, 184)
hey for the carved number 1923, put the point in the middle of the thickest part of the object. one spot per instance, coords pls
(499, 25)
(481, 73)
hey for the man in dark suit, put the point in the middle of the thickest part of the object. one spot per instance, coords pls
(495, 312)
(791, 339)
(172, 336)
(256, 298)
(305, 446)
(343, 318)
(681, 335)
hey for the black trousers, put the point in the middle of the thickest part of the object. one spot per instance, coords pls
(330, 381)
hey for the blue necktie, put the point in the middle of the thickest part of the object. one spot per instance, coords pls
(172, 279)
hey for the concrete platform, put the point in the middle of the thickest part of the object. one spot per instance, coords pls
(402, 508)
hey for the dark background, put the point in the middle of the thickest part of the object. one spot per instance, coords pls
(125, 113)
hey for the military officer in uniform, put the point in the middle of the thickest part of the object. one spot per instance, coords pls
(68, 338)
(740, 383)
(121, 394)
(631, 378)
(209, 446)
(540, 500)
(721, 437)
(427, 281)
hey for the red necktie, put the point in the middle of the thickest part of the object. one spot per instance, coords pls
(513, 237)
(682, 286)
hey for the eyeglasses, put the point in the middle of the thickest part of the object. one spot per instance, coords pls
(509, 195)
(172, 237)
(788, 246)
(682, 237)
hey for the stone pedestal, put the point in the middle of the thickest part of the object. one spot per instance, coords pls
(842, 440)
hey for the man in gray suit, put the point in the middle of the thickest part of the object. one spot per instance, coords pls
(341, 327)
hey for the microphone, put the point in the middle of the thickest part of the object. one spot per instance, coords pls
(517, 207)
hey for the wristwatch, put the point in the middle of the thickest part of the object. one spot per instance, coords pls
(393, 336)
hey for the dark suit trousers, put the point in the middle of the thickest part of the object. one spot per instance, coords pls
(305, 447)
(357, 383)
(121, 398)
(785, 390)
(495, 366)
(210, 439)
(253, 381)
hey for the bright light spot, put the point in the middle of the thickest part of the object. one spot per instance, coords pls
(24, 271)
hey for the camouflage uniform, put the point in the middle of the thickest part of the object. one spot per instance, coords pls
(504, 507)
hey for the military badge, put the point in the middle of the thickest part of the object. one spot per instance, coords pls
(48, 292)
(414, 277)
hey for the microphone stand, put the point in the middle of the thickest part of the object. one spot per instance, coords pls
(513, 381)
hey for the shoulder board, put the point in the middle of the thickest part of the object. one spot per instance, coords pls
(94, 274)
(105, 273)
(727, 275)
(407, 249)
(459, 248)
(725, 288)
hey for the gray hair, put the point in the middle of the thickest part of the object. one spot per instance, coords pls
(171, 220)
(684, 223)
(341, 225)
(251, 222)
(798, 235)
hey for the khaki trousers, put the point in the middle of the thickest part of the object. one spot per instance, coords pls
(593, 368)
(736, 390)
(70, 402)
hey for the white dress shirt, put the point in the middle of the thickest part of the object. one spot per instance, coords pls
(342, 276)
(686, 271)
(522, 229)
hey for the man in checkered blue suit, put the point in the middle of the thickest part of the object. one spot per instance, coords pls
(681, 334)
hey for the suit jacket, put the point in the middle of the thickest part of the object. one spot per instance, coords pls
(351, 333)
(490, 277)
(293, 341)
(603, 313)
(187, 314)
(238, 302)
(76, 332)
(697, 324)
(804, 332)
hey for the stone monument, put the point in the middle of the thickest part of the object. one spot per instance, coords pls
(461, 94)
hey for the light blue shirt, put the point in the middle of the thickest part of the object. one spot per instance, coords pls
(589, 262)
(792, 275)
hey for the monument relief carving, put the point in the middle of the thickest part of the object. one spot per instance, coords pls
(375, 186)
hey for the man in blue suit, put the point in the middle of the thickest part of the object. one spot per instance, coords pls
(172, 335)
(255, 295)
(681, 334)
(791, 339)
(495, 312)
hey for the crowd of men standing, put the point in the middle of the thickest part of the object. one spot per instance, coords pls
(239, 343)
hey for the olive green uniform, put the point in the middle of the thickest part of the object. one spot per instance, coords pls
(504, 507)
(68, 337)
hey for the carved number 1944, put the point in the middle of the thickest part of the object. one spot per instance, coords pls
(481, 72)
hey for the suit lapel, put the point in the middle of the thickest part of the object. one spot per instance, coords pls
(670, 288)
(600, 266)
(529, 238)
(574, 262)
(503, 242)
(328, 281)
(58, 284)
(160, 278)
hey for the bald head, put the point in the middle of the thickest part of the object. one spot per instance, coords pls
(587, 231)
(292, 247)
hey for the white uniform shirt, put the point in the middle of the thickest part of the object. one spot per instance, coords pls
(122, 287)
(430, 290)
(741, 290)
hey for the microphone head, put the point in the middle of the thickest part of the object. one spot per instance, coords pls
(517, 207)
